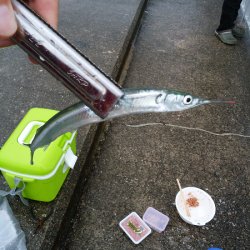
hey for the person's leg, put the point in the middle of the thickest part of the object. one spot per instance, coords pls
(229, 14)
(237, 7)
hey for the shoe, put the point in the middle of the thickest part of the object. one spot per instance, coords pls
(226, 37)
(238, 30)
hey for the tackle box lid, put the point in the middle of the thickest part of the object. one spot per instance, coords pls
(16, 157)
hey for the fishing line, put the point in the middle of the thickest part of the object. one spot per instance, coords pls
(182, 127)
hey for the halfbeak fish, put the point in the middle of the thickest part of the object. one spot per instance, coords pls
(134, 101)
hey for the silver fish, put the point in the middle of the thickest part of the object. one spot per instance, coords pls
(134, 101)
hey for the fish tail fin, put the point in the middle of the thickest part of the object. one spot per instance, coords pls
(31, 152)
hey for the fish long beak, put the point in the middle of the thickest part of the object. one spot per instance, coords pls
(213, 101)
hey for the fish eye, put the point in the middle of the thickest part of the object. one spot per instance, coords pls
(187, 99)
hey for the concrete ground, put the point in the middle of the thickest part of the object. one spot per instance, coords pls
(135, 168)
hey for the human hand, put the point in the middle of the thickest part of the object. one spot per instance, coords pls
(47, 9)
(8, 24)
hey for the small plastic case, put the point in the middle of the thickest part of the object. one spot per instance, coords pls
(136, 229)
(155, 219)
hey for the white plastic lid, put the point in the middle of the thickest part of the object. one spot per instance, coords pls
(155, 219)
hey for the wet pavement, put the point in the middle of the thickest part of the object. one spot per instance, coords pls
(135, 168)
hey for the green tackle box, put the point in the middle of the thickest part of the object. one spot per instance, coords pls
(44, 179)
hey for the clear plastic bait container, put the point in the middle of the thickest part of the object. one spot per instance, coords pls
(155, 219)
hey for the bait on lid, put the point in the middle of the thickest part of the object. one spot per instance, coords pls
(44, 179)
(136, 229)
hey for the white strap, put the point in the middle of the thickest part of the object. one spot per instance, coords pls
(70, 158)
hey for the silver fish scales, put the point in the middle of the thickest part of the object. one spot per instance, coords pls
(134, 101)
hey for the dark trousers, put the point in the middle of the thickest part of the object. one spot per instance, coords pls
(229, 14)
